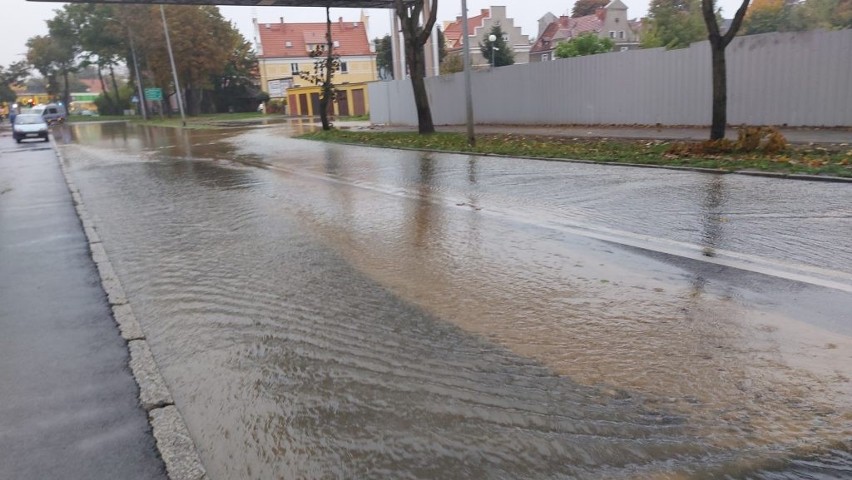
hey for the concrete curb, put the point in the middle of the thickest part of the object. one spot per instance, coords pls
(174, 442)
(752, 173)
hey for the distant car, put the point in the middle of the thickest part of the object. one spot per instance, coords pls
(29, 125)
(52, 112)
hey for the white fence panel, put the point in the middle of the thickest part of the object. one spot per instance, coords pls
(795, 79)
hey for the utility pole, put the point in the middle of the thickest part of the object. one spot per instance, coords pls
(468, 100)
(174, 70)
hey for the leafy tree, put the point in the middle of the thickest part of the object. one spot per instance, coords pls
(11, 76)
(235, 89)
(326, 62)
(442, 46)
(502, 54)
(103, 40)
(585, 44)
(43, 54)
(384, 57)
(66, 48)
(674, 24)
(202, 44)
(827, 14)
(587, 7)
(718, 42)
(452, 63)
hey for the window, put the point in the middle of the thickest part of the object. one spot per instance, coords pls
(545, 57)
(344, 68)
(294, 68)
(611, 34)
(621, 34)
(624, 49)
(506, 37)
(288, 44)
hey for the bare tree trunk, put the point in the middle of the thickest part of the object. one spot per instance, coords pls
(66, 93)
(115, 88)
(415, 37)
(325, 97)
(718, 43)
(720, 92)
(416, 58)
(105, 91)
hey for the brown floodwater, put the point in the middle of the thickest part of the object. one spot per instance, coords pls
(325, 311)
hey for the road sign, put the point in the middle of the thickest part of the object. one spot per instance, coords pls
(154, 94)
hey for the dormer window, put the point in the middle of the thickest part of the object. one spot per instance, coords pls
(288, 44)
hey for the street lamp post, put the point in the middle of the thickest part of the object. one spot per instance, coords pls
(492, 38)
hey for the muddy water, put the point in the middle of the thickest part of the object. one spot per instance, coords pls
(336, 312)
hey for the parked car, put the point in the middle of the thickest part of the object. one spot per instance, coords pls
(29, 125)
(52, 112)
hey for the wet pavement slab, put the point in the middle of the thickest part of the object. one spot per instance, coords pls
(68, 402)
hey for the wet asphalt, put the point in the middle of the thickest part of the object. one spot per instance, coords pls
(68, 402)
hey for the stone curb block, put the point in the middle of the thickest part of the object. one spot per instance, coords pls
(153, 392)
(175, 445)
(127, 324)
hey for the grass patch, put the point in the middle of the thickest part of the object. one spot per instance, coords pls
(828, 160)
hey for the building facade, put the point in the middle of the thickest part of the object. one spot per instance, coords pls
(284, 52)
(479, 27)
(608, 22)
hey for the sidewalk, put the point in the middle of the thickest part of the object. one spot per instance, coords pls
(793, 135)
(69, 405)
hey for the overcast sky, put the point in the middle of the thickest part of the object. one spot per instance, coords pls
(27, 19)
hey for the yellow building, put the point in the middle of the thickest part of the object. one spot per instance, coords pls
(284, 51)
(352, 100)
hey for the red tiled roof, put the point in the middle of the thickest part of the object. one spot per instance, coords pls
(275, 38)
(564, 29)
(453, 31)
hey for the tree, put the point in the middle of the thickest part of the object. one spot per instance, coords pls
(202, 44)
(66, 48)
(452, 63)
(674, 24)
(234, 89)
(587, 7)
(501, 52)
(103, 41)
(325, 64)
(414, 37)
(384, 57)
(718, 42)
(585, 44)
(11, 76)
(827, 14)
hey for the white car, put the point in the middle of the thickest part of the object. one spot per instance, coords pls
(29, 125)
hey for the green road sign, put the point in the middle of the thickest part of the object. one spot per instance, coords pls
(154, 94)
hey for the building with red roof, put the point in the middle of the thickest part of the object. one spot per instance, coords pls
(478, 29)
(284, 51)
(608, 22)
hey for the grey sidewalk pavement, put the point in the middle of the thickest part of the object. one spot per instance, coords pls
(69, 405)
(793, 135)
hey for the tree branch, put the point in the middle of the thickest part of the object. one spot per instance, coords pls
(710, 20)
(430, 22)
(735, 23)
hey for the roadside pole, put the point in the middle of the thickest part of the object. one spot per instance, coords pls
(174, 70)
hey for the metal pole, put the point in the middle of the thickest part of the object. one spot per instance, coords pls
(174, 70)
(138, 79)
(468, 100)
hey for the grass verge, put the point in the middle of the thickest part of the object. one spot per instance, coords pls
(814, 160)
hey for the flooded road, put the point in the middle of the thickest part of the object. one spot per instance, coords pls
(325, 311)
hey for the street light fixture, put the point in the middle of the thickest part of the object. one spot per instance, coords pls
(492, 38)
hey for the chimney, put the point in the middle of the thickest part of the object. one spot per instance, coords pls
(282, 20)
(340, 21)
